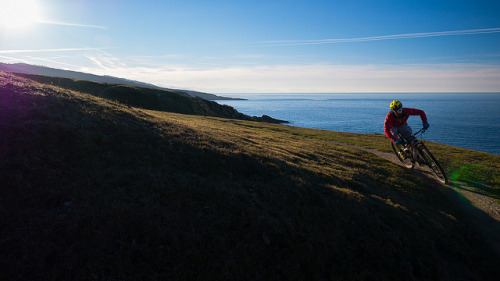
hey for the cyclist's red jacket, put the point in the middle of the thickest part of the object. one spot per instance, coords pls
(391, 120)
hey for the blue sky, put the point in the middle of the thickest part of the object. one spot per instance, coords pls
(222, 46)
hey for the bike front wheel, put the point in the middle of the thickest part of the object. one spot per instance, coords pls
(431, 162)
(402, 155)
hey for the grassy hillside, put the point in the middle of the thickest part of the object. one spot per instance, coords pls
(95, 190)
(481, 171)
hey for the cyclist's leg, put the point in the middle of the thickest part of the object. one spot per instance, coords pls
(395, 131)
(405, 131)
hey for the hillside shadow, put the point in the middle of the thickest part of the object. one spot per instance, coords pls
(92, 191)
(482, 217)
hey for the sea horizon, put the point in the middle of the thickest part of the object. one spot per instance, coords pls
(453, 116)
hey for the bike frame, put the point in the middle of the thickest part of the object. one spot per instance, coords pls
(417, 142)
(424, 156)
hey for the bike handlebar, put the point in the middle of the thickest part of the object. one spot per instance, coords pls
(421, 131)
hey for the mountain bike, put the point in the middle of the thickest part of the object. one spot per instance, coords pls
(419, 154)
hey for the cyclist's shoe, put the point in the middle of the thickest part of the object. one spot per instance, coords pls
(402, 154)
(406, 153)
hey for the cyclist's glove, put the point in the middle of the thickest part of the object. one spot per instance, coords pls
(398, 141)
(426, 125)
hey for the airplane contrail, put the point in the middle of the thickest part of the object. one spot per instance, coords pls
(379, 38)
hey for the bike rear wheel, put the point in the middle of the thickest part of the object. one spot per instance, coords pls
(431, 162)
(402, 155)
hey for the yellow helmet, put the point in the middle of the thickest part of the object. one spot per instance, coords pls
(395, 105)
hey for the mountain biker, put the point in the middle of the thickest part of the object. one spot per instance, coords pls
(395, 122)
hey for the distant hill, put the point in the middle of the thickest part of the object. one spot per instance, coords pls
(149, 98)
(47, 71)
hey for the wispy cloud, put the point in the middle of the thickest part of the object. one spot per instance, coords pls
(71, 24)
(68, 58)
(379, 38)
(314, 78)
(286, 78)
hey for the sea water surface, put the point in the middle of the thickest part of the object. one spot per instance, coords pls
(467, 120)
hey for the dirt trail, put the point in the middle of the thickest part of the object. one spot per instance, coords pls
(457, 189)
(483, 212)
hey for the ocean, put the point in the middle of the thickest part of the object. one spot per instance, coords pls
(467, 120)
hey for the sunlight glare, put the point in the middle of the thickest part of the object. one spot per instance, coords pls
(16, 14)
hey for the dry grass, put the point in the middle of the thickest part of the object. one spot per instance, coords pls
(94, 190)
(477, 169)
